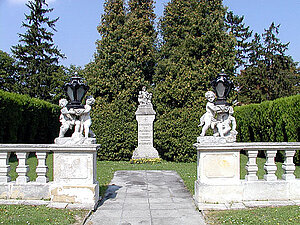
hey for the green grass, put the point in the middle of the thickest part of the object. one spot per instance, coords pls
(271, 216)
(187, 171)
(23, 214)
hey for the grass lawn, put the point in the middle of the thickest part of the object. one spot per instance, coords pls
(39, 215)
(11, 214)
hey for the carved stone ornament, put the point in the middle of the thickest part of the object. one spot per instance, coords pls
(219, 118)
(78, 120)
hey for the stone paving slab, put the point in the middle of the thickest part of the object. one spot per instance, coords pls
(146, 197)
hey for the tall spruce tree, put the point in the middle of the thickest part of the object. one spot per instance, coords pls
(195, 48)
(39, 74)
(7, 72)
(242, 34)
(270, 73)
(123, 63)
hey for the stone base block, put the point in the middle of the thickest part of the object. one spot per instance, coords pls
(218, 193)
(74, 141)
(28, 191)
(4, 191)
(260, 190)
(266, 190)
(145, 153)
(75, 194)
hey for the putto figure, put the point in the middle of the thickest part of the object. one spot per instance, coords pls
(66, 119)
(85, 117)
(219, 118)
(208, 119)
(144, 97)
(78, 118)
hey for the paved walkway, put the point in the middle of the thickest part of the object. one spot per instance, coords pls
(148, 198)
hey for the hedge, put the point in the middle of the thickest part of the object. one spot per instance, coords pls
(270, 121)
(27, 120)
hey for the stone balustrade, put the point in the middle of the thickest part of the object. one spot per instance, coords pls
(218, 173)
(74, 174)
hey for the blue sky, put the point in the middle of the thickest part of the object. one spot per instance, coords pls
(76, 29)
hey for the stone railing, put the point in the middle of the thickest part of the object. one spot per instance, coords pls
(74, 174)
(218, 173)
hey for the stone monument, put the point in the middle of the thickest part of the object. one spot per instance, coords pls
(145, 116)
(215, 167)
(74, 158)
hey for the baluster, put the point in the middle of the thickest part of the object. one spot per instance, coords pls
(41, 168)
(288, 165)
(251, 166)
(22, 168)
(4, 167)
(270, 166)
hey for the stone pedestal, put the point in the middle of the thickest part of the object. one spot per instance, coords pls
(145, 116)
(216, 164)
(74, 173)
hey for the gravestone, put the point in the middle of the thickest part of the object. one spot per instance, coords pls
(145, 116)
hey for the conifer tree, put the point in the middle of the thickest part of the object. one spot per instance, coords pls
(123, 63)
(39, 74)
(7, 72)
(242, 34)
(195, 48)
(270, 73)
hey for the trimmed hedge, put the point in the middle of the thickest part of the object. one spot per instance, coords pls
(27, 120)
(270, 121)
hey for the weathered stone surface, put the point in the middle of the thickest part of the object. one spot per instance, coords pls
(211, 140)
(219, 167)
(145, 116)
(120, 206)
(73, 141)
(218, 176)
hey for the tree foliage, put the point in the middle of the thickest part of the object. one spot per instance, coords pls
(195, 48)
(37, 58)
(123, 63)
(242, 33)
(7, 72)
(269, 73)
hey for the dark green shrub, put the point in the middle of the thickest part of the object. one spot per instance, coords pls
(27, 120)
(174, 134)
(116, 129)
(270, 121)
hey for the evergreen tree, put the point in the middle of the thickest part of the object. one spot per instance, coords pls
(7, 72)
(242, 34)
(37, 58)
(195, 48)
(270, 73)
(123, 63)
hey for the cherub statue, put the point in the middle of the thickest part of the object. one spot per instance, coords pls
(85, 117)
(227, 125)
(144, 97)
(66, 119)
(208, 119)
